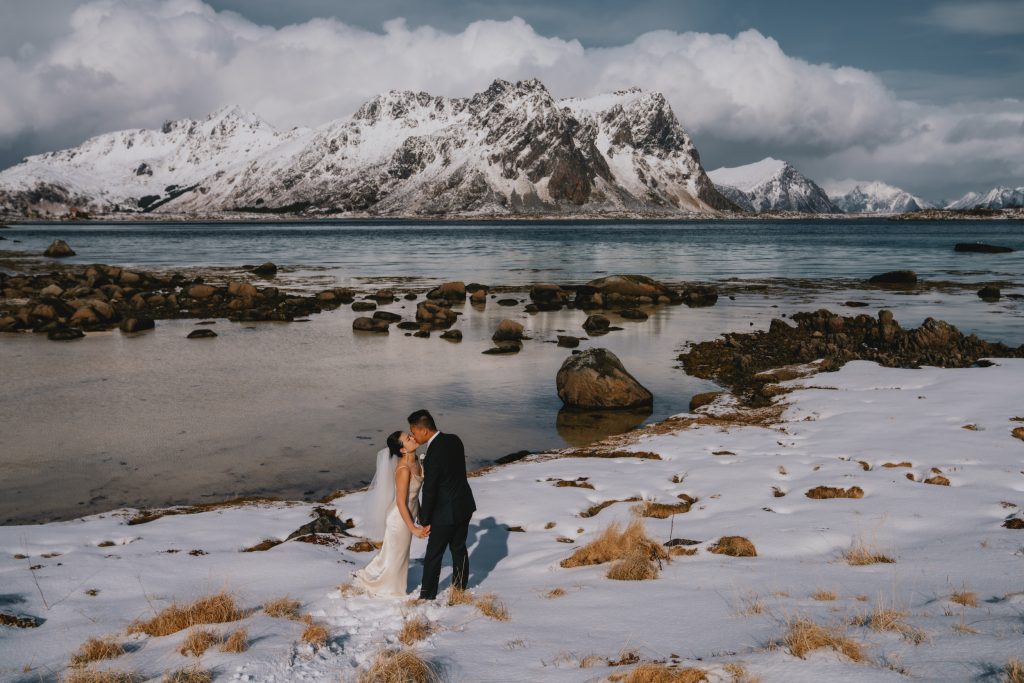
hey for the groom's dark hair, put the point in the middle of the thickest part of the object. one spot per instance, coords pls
(422, 418)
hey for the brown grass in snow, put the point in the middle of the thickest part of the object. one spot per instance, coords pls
(826, 492)
(415, 629)
(884, 618)
(635, 566)
(78, 675)
(199, 641)
(823, 595)
(314, 634)
(213, 609)
(862, 552)
(554, 593)
(965, 598)
(597, 507)
(903, 463)
(739, 673)
(96, 649)
(1013, 672)
(399, 666)
(616, 543)
(237, 642)
(660, 673)
(734, 546)
(804, 636)
(282, 608)
(193, 674)
(491, 606)
(649, 508)
(459, 596)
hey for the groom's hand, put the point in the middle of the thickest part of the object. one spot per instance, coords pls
(422, 531)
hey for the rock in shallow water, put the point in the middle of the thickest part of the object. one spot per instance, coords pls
(596, 380)
(370, 325)
(981, 248)
(59, 249)
(895, 277)
(202, 334)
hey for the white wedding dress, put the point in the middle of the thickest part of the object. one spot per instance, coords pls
(387, 573)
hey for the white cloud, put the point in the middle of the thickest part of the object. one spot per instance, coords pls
(135, 63)
(987, 17)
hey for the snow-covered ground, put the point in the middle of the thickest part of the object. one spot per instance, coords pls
(705, 610)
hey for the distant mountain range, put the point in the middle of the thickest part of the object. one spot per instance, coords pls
(771, 185)
(512, 149)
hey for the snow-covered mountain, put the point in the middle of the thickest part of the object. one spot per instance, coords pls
(876, 197)
(510, 149)
(996, 198)
(771, 185)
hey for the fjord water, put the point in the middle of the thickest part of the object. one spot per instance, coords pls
(299, 409)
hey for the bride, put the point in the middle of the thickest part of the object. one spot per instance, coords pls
(392, 502)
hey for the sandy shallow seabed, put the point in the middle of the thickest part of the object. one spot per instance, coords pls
(838, 429)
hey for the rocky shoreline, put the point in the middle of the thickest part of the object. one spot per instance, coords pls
(750, 365)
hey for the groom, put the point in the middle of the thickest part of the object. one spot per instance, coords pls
(447, 502)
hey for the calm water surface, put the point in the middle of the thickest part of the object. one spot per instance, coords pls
(300, 409)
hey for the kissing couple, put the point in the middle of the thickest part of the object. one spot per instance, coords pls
(394, 512)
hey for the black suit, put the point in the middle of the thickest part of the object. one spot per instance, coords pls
(447, 505)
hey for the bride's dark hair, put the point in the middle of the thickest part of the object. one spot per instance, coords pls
(395, 444)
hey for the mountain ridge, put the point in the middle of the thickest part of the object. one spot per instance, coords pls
(511, 149)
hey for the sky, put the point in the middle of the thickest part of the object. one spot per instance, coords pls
(926, 95)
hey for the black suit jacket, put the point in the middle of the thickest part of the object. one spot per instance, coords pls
(446, 498)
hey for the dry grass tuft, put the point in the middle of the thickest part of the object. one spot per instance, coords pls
(965, 598)
(79, 675)
(399, 666)
(597, 507)
(555, 593)
(803, 636)
(199, 641)
(660, 673)
(415, 629)
(459, 596)
(825, 492)
(213, 609)
(263, 546)
(739, 673)
(863, 553)
(823, 595)
(283, 608)
(884, 618)
(635, 566)
(1013, 672)
(549, 525)
(491, 606)
(191, 675)
(734, 546)
(904, 463)
(580, 483)
(678, 551)
(315, 634)
(614, 543)
(963, 629)
(1018, 432)
(237, 642)
(649, 508)
(777, 492)
(96, 649)
(937, 480)
(753, 604)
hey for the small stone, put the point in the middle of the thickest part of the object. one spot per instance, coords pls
(201, 334)
(201, 291)
(568, 341)
(508, 302)
(633, 314)
(360, 306)
(452, 335)
(596, 324)
(64, 334)
(137, 324)
(895, 277)
(387, 316)
(989, 293)
(51, 290)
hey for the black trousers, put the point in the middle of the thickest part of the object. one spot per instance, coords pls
(453, 537)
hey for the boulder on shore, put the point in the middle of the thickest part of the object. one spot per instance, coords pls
(58, 249)
(370, 325)
(137, 323)
(989, 293)
(449, 291)
(508, 330)
(895, 277)
(267, 269)
(201, 333)
(596, 324)
(596, 380)
(439, 317)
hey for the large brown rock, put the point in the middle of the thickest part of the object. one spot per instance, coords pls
(628, 288)
(596, 380)
(430, 313)
(449, 291)
(370, 325)
(508, 330)
(242, 289)
(201, 291)
(58, 249)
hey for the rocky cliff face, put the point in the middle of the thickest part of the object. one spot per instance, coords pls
(511, 149)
